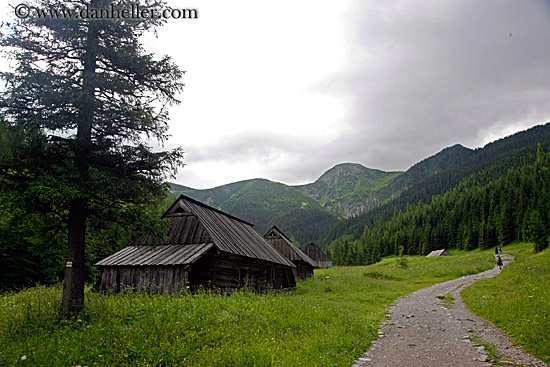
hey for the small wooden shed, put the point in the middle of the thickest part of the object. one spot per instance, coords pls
(317, 255)
(437, 253)
(202, 247)
(304, 264)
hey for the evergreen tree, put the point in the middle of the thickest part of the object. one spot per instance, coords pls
(491, 236)
(484, 236)
(506, 225)
(537, 231)
(89, 88)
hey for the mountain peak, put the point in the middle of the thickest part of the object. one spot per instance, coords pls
(448, 157)
(341, 170)
(345, 188)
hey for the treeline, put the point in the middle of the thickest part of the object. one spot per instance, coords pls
(33, 243)
(476, 214)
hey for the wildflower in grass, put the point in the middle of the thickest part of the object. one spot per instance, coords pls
(23, 358)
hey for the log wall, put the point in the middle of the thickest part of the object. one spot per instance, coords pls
(166, 279)
(218, 271)
(303, 270)
(228, 272)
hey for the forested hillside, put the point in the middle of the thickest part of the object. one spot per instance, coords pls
(481, 212)
(445, 160)
(487, 164)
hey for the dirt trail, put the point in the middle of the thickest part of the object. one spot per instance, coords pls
(425, 330)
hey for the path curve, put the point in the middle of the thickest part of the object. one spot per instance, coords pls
(421, 330)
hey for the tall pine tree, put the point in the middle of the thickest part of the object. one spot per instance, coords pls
(89, 87)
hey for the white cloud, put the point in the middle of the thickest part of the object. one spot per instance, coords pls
(251, 71)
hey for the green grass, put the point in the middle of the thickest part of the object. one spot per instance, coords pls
(518, 300)
(329, 320)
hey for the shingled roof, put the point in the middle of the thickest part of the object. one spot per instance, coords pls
(192, 224)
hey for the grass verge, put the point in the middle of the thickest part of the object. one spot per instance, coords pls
(329, 320)
(518, 300)
(492, 352)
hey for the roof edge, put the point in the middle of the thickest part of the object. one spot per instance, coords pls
(185, 197)
(281, 233)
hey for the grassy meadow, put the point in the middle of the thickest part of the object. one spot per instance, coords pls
(328, 320)
(518, 300)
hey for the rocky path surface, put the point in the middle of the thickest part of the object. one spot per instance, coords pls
(428, 328)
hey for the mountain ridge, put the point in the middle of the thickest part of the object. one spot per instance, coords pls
(344, 191)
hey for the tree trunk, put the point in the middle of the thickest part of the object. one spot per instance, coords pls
(73, 286)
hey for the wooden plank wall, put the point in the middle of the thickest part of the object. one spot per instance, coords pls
(282, 246)
(219, 271)
(303, 270)
(225, 272)
(165, 279)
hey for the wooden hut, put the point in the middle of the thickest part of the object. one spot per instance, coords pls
(202, 247)
(304, 264)
(437, 253)
(317, 255)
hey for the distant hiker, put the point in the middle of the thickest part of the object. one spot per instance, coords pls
(500, 250)
(499, 263)
(496, 250)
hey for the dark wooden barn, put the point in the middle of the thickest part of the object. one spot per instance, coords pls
(202, 247)
(317, 255)
(304, 264)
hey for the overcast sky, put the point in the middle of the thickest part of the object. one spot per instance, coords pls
(284, 90)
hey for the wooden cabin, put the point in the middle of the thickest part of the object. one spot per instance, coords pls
(304, 264)
(317, 255)
(201, 247)
(437, 253)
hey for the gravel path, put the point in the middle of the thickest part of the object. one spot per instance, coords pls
(422, 330)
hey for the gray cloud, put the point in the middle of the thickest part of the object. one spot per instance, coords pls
(422, 76)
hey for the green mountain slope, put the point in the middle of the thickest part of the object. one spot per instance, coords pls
(266, 203)
(348, 188)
